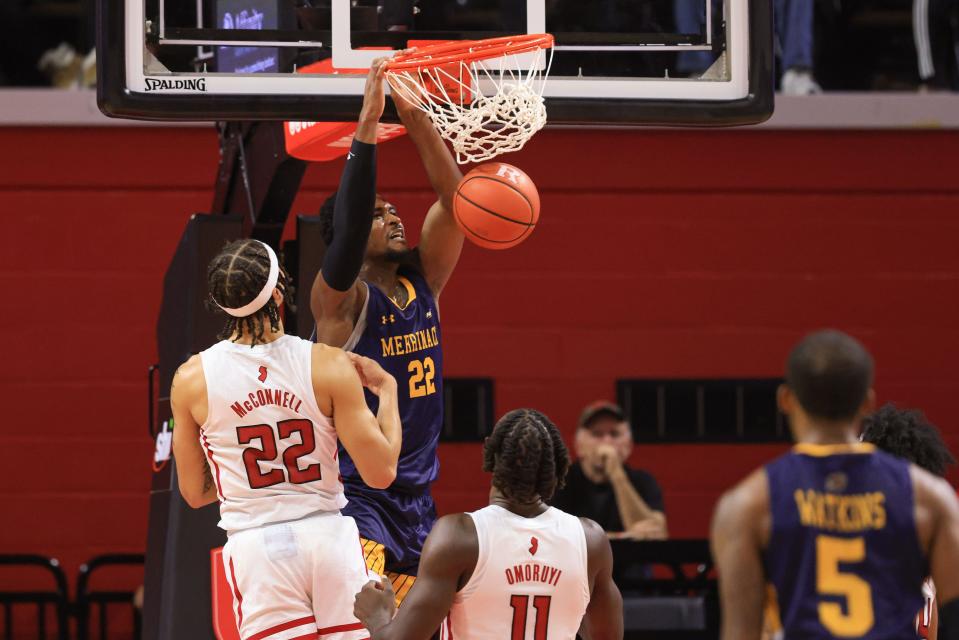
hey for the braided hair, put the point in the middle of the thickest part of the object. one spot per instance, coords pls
(235, 277)
(526, 456)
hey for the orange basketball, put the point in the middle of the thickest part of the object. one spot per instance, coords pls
(496, 205)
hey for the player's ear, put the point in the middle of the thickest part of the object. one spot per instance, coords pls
(785, 399)
(277, 297)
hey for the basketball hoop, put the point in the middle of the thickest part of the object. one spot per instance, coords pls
(484, 96)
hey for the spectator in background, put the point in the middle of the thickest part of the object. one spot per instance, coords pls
(690, 18)
(793, 21)
(32, 54)
(937, 43)
(601, 486)
(22, 42)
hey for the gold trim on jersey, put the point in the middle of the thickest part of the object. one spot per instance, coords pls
(410, 291)
(822, 450)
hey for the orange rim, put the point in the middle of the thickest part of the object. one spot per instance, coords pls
(468, 51)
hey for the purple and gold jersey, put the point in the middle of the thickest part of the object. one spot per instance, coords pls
(406, 342)
(843, 553)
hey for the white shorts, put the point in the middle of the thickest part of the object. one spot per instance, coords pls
(296, 580)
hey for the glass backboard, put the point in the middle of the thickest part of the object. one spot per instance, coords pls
(694, 62)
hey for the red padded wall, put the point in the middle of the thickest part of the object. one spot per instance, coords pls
(659, 253)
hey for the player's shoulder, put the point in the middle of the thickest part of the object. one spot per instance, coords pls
(190, 371)
(336, 312)
(453, 535)
(596, 537)
(329, 362)
(752, 488)
(451, 548)
(932, 490)
(456, 525)
(592, 529)
(747, 501)
(599, 553)
(886, 459)
(744, 512)
(329, 353)
(188, 379)
(786, 459)
(935, 506)
(325, 351)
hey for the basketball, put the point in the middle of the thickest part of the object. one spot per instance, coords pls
(496, 205)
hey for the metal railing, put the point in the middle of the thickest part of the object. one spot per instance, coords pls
(88, 599)
(56, 599)
(669, 589)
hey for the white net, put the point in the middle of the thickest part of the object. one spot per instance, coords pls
(483, 107)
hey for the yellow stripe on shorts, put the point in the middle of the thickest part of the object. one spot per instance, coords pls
(375, 555)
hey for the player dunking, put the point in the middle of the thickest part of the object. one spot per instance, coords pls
(845, 533)
(516, 569)
(376, 297)
(254, 418)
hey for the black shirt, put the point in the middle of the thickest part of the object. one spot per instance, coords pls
(584, 498)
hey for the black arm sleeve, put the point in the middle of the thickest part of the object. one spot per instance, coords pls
(352, 218)
(949, 620)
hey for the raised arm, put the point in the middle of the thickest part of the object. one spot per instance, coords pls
(449, 557)
(192, 469)
(737, 539)
(337, 297)
(373, 442)
(604, 614)
(441, 240)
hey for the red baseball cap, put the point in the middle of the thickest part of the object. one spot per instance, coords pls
(598, 409)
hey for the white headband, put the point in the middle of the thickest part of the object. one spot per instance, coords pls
(258, 302)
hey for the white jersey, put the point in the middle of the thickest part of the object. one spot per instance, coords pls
(530, 580)
(272, 453)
